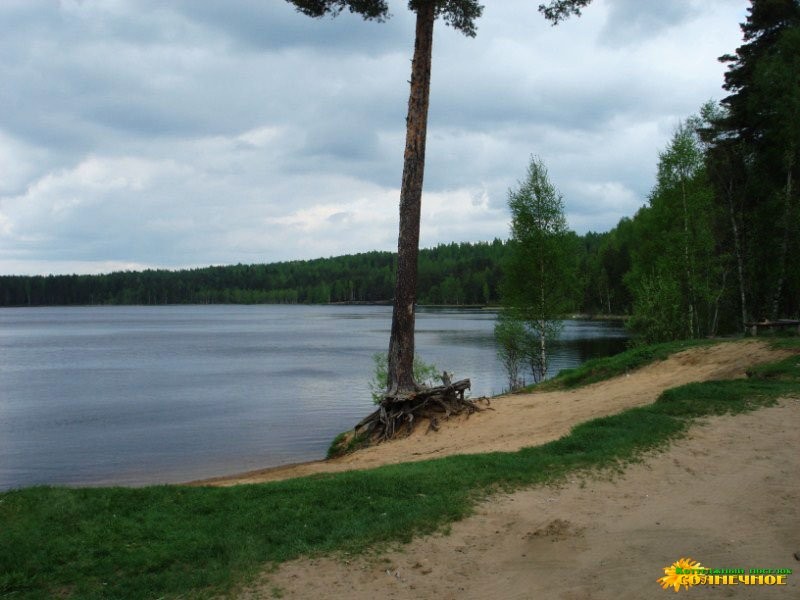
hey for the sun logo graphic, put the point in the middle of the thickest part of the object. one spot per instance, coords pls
(684, 572)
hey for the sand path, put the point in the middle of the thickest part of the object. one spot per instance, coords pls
(521, 420)
(726, 495)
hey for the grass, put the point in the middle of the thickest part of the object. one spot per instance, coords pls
(346, 443)
(179, 542)
(599, 369)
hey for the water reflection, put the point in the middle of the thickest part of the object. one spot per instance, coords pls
(134, 395)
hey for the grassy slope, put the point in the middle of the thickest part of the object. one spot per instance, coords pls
(598, 369)
(193, 542)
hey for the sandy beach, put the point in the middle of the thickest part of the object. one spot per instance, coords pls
(519, 420)
(725, 495)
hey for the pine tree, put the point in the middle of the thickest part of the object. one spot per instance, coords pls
(762, 121)
(461, 15)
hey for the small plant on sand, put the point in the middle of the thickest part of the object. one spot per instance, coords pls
(511, 338)
(519, 345)
(345, 443)
(424, 373)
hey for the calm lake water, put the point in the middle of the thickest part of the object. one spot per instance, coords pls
(137, 395)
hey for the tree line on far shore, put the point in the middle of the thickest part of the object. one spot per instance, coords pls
(449, 274)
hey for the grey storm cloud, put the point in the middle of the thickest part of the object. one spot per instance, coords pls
(276, 25)
(632, 20)
(193, 132)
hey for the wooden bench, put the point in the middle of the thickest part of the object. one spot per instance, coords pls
(779, 324)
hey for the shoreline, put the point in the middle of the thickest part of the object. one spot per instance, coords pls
(520, 420)
(487, 307)
(269, 473)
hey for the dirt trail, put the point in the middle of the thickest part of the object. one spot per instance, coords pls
(517, 421)
(726, 495)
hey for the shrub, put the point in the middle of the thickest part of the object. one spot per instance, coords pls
(424, 374)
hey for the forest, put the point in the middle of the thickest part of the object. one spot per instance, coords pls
(448, 274)
(714, 245)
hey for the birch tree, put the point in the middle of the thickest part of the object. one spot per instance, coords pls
(541, 271)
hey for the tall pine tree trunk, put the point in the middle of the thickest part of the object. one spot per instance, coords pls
(401, 342)
(787, 225)
(688, 261)
(737, 246)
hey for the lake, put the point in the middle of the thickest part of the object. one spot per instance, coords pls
(137, 395)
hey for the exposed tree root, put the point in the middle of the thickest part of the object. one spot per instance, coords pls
(398, 414)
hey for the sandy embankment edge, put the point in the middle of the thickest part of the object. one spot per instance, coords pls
(523, 420)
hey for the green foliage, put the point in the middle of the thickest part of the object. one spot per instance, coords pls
(519, 346)
(369, 9)
(558, 10)
(785, 370)
(658, 312)
(454, 274)
(472, 272)
(719, 243)
(177, 542)
(512, 340)
(540, 274)
(458, 14)
(345, 443)
(677, 277)
(787, 341)
(605, 259)
(709, 398)
(337, 444)
(539, 339)
(600, 369)
(758, 133)
(424, 374)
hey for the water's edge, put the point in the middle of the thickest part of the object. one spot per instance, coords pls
(143, 395)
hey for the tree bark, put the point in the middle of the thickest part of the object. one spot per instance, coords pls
(401, 341)
(687, 259)
(776, 301)
(737, 245)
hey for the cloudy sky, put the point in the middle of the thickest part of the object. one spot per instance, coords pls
(180, 133)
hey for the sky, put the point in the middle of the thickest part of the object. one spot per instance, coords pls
(182, 133)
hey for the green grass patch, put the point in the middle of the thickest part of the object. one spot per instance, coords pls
(174, 541)
(345, 443)
(785, 342)
(600, 369)
(787, 369)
